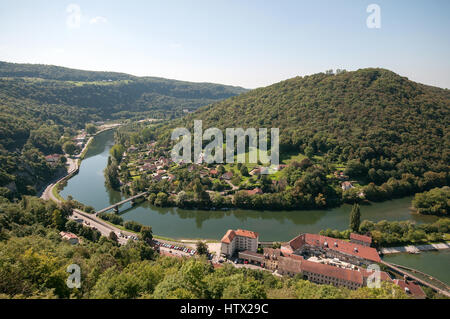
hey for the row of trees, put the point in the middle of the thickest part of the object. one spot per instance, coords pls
(385, 234)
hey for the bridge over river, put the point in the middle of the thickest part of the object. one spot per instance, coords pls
(116, 205)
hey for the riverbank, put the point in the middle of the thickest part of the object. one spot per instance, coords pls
(51, 191)
(415, 249)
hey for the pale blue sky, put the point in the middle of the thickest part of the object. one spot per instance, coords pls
(246, 43)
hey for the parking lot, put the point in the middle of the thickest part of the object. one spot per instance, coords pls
(175, 249)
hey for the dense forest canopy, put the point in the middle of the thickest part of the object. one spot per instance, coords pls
(372, 117)
(107, 94)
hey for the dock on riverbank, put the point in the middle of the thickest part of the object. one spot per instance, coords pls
(415, 249)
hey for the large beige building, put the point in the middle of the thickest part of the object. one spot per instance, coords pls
(239, 240)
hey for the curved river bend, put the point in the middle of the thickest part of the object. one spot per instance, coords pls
(89, 188)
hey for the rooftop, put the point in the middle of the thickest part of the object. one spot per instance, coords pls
(365, 239)
(230, 234)
(325, 242)
(410, 288)
(332, 271)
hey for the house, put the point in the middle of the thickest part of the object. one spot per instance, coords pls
(239, 240)
(256, 191)
(80, 138)
(72, 238)
(132, 149)
(272, 257)
(53, 159)
(213, 172)
(252, 257)
(361, 239)
(227, 176)
(346, 186)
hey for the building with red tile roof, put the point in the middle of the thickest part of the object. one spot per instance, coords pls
(318, 272)
(411, 288)
(72, 238)
(332, 248)
(331, 275)
(227, 175)
(360, 239)
(240, 240)
(256, 191)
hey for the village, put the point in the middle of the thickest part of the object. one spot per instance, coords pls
(225, 179)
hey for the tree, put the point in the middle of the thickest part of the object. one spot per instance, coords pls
(117, 151)
(181, 199)
(244, 170)
(91, 128)
(147, 234)
(355, 218)
(113, 237)
(58, 219)
(220, 169)
(69, 148)
(202, 248)
(161, 199)
(309, 152)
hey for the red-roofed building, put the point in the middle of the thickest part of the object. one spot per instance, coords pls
(314, 244)
(331, 275)
(227, 176)
(239, 240)
(360, 239)
(411, 288)
(213, 172)
(53, 159)
(318, 272)
(72, 238)
(256, 191)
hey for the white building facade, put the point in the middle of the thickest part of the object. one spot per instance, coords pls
(239, 240)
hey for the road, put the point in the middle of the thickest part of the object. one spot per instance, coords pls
(104, 228)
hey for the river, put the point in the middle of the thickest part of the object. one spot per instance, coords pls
(89, 188)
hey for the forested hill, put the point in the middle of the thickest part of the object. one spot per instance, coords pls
(102, 95)
(40, 103)
(379, 122)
